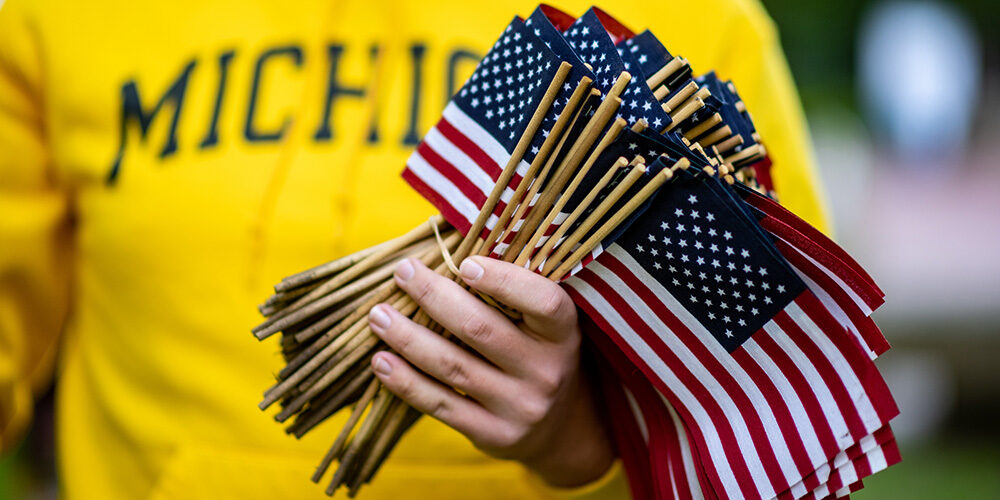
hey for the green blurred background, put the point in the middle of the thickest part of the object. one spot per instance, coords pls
(903, 101)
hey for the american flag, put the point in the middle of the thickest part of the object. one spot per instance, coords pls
(457, 163)
(764, 378)
(843, 286)
(647, 51)
(594, 45)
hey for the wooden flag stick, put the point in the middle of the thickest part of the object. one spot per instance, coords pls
(515, 159)
(275, 324)
(746, 153)
(337, 448)
(394, 420)
(333, 318)
(602, 209)
(605, 112)
(613, 131)
(544, 174)
(661, 74)
(661, 92)
(684, 113)
(716, 136)
(379, 406)
(554, 137)
(588, 246)
(703, 127)
(324, 270)
(730, 143)
(640, 125)
(681, 96)
(580, 209)
(334, 404)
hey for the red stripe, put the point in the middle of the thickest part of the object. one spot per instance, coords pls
(451, 215)
(696, 387)
(870, 378)
(869, 331)
(697, 347)
(803, 391)
(794, 223)
(827, 372)
(637, 361)
(452, 173)
(866, 290)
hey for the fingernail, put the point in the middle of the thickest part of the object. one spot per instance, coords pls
(381, 366)
(471, 270)
(404, 270)
(378, 318)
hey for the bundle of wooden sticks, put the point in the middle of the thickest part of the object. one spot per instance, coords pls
(322, 313)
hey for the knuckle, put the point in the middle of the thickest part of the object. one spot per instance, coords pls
(422, 290)
(454, 372)
(555, 305)
(439, 409)
(509, 436)
(534, 409)
(550, 381)
(475, 327)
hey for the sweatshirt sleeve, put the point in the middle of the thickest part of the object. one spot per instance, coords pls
(34, 243)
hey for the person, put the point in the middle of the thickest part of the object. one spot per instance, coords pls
(161, 164)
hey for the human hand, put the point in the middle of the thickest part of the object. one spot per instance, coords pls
(524, 399)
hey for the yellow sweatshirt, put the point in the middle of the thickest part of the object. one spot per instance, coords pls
(163, 163)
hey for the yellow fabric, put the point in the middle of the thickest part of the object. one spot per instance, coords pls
(146, 286)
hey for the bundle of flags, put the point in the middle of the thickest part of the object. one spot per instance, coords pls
(736, 341)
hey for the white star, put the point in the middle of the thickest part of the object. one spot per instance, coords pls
(711, 232)
(693, 199)
(729, 333)
(781, 288)
(694, 214)
(664, 226)
(678, 212)
(680, 228)
(710, 216)
(763, 272)
(639, 248)
(715, 263)
(652, 238)
(767, 300)
(742, 323)
(656, 265)
(701, 261)
(744, 253)
(711, 315)
(654, 251)
(754, 311)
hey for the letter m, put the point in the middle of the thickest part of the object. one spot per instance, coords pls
(134, 112)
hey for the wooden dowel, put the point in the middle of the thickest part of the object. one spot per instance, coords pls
(661, 74)
(742, 155)
(681, 95)
(588, 246)
(543, 175)
(703, 127)
(613, 131)
(334, 404)
(324, 270)
(640, 125)
(729, 143)
(661, 92)
(515, 159)
(337, 448)
(565, 247)
(577, 212)
(722, 133)
(394, 420)
(274, 323)
(604, 114)
(685, 112)
(335, 317)
(379, 406)
(554, 137)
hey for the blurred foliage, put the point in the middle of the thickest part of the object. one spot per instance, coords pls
(819, 39)
(959, 467)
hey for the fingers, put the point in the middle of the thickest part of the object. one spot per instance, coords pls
(441, 358)
(547, 308)
(436, 400)
(480, 326)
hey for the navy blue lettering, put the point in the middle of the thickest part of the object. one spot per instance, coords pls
(132, 111)
(212, 136)
(250, 131)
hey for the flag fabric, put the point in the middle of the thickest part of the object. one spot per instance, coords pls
(457, 163)
(592, 43)
(734, 340)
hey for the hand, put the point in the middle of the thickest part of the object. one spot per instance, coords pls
(524, 397)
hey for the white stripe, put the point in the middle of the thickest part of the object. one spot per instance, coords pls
(841, 283)
(442, 186)
(742, 379)
(476, 133)
(856, 391)
(637, 413)
(834, 308)
(686, 456)
(715, 449)
(822, 392)
(465, 165)
(730, 411)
